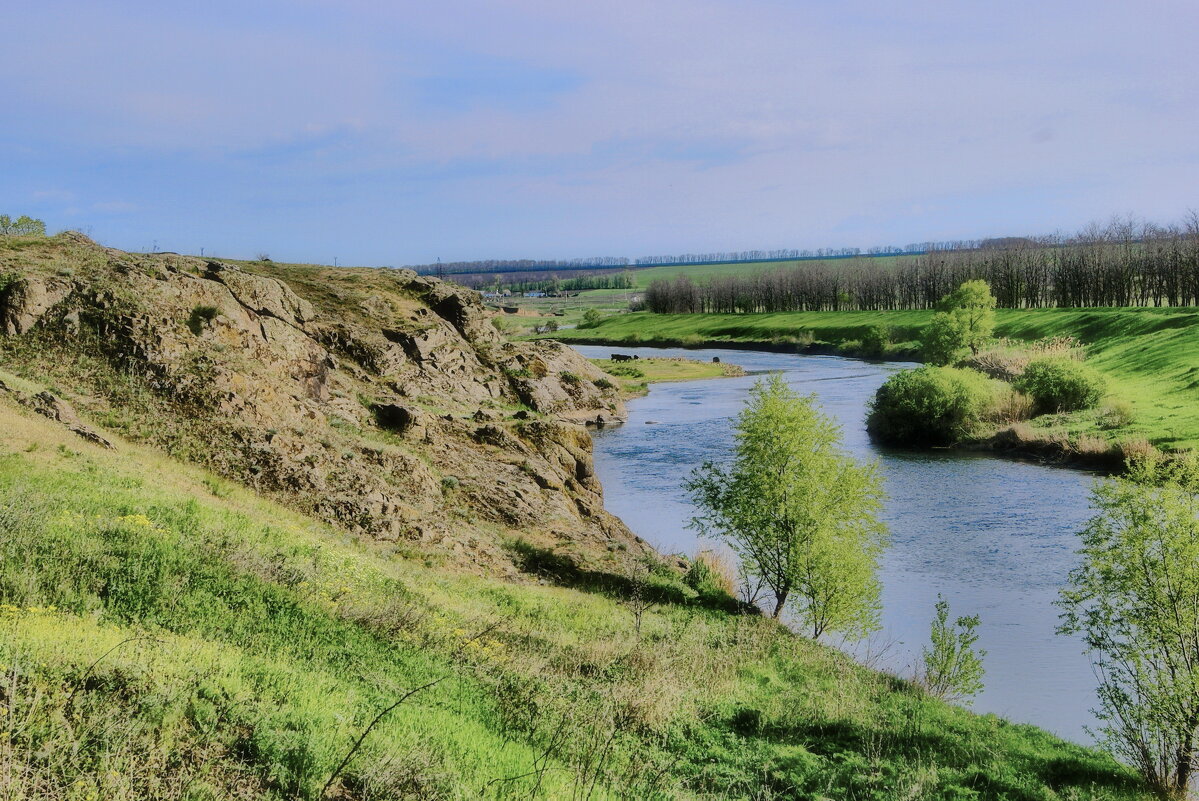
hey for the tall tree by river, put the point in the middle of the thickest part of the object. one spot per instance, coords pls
(801, 514)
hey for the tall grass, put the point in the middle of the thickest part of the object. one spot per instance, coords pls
(159, 641)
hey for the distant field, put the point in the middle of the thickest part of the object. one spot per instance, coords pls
(1150, 355)
(701, 272)
(619, 298)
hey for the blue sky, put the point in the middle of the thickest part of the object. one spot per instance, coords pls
(399, 132)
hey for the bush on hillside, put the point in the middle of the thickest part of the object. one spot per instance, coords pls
(930, 406)
(1062, 385)
(876, 339)
(591, 318)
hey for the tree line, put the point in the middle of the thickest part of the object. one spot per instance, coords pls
(1124, 263)
(519, 265)
(498, 283)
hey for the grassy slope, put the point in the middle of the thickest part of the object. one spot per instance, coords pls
(1151, 356)
(164, 634)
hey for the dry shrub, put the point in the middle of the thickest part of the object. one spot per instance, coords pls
(391, 615)
(1091, 445)
(1135, 450)
(998, 363)
(418, 773)
(721, 569)
(1022, 432)
(1007, 358)
(1116, 414)
(1010, 406)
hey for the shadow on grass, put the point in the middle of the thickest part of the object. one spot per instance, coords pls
(1058, 766)
(659, 587)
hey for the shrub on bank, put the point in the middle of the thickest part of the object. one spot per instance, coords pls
(1062, 385)
(1116, 414)
(876, 340)
(930, 405)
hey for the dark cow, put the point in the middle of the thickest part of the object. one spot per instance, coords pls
(622, 357)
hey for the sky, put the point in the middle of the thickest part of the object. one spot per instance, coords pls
(402, 132)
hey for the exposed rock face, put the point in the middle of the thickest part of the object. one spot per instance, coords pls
(382, 401)
(25, 301)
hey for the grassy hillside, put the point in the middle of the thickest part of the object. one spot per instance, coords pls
(169, 635)
(1150, 355)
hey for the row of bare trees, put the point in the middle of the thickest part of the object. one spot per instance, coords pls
(519, 265)
(1124, 263)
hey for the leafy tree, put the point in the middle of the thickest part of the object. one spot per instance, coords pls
(953, 669)
(1135, 601)
(798, 511)
(964, 321)
(22, 226)
(591, 318)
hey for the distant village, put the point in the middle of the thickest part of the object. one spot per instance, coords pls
(507, 293)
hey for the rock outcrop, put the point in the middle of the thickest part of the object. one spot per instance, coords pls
(382, 401)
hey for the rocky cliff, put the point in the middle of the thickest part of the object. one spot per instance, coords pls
(382, 401)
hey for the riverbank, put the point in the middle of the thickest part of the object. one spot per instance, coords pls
(1150, 357)
(635, 376)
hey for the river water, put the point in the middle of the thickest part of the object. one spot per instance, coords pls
(996, 537)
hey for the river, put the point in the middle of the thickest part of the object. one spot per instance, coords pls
(995, 536)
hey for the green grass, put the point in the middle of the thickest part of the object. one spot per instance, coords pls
(635, 377)
(1150, 356)
(164, 634)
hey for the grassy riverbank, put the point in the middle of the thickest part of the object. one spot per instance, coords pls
(166, 634)
(1150, 356)
(636, 376)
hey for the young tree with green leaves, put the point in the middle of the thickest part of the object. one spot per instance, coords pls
(953, 668)
(799, 512)
(1135, 601)
(964, 321)
(22, 226)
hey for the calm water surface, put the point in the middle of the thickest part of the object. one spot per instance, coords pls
(995, 537)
